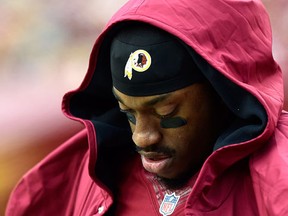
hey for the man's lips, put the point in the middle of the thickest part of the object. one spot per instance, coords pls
(154, 156)
(155, 162)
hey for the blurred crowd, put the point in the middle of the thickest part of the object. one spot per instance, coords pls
(44, 52)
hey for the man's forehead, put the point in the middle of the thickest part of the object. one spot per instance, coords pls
(145, 100)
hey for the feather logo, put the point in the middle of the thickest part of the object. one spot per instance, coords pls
(140, 61)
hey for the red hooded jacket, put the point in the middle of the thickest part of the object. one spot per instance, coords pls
(247, 173)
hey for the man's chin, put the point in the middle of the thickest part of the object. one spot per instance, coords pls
(174, 183)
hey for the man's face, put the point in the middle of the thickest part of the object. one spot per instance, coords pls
(175, 132)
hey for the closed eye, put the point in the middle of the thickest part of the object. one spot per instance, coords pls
(168, 115)
(130, 116)
(165, 116)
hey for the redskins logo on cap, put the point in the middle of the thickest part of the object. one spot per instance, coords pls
(140, 61)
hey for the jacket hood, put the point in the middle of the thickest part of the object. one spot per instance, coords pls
(230, 41)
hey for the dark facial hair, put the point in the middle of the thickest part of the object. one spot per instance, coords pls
(174, 183)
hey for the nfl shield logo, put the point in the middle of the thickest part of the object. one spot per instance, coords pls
(168, 204)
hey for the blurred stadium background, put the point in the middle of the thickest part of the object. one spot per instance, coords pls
(44, 52)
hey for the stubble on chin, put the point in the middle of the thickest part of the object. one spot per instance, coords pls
(175, 183)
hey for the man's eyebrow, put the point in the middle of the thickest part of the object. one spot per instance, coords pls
(156, 100)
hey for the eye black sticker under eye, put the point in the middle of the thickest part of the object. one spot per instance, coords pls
(131, 118)
(174, 122)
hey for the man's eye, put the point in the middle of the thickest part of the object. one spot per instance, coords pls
(131, 118)
(166, 112)
(168, 115)
(165, 116)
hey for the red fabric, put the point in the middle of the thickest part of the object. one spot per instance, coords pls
(231, 42)
(60, 185)
(134, 186)
(142, 198)
(270, 173)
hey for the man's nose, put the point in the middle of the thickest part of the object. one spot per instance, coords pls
(146, 132)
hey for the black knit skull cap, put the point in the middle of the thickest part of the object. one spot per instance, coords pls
(146, 61)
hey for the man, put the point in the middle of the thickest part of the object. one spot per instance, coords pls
(204, 111)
